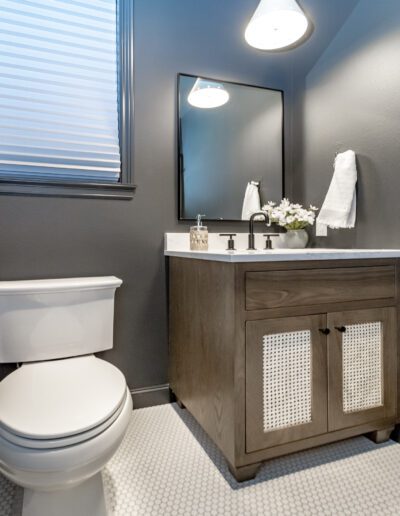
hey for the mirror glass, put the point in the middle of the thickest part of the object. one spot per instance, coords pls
(229, 135)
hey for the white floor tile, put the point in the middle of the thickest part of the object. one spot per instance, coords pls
(167, 466)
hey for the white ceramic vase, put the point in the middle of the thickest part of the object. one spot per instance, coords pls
(294, 239)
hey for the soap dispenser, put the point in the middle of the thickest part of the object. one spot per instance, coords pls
(199, 236)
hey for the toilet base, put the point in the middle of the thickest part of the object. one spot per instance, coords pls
(82, 500)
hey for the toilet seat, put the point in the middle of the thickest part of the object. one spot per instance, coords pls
(59, 403)
(39, 444)
(63, 467)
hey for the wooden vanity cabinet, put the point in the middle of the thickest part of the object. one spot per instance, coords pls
(275, 357)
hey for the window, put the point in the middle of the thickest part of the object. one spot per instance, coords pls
(66, 97)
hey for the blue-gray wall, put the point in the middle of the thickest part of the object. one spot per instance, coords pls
(72, 237)
(42, 238)
(352, 100)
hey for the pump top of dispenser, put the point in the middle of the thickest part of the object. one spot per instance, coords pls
(200, 223)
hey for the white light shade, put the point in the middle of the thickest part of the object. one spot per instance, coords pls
(276, 24)
(208, 94)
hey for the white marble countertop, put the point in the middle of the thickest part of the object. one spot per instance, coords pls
(178, 244)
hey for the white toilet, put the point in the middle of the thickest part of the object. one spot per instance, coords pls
(64, 412)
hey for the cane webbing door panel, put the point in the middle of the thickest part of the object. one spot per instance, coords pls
(286, 395)
(362, 367)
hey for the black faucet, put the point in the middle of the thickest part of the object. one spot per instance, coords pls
(251, 228)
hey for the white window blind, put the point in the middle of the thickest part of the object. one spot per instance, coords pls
(59, 90)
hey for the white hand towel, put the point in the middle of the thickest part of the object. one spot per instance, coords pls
(251, 202)
(339, 207)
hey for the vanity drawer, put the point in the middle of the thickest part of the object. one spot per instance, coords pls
(274, 289)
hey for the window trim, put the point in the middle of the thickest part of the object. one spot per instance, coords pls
(124, 190)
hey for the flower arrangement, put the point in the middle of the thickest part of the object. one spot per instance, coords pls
(289, 215)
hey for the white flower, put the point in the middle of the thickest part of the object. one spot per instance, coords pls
(290, 216)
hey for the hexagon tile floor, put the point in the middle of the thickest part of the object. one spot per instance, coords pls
(167, 466)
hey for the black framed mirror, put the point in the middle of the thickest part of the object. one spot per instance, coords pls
(229, 134)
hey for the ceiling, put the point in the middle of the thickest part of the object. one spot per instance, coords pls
(327, 16)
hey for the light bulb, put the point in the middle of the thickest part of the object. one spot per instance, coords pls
(208, 94)
(276, 24)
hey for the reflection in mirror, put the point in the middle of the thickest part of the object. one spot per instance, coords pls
(208, 94)
(229, 135)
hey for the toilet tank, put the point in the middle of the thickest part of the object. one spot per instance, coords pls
(56, 318)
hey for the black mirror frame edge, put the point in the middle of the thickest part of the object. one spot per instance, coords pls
(124, 190)
(179, 142)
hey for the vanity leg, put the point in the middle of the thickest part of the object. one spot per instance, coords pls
(380, 436)
(245, 472)
(180, 404)
(396, 434)
(173, 398)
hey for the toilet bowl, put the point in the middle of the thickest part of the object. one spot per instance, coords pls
(61, 419)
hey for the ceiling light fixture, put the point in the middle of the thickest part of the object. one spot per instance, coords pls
(276, 24)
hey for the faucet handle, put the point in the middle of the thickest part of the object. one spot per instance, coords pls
(268, 243)
(231, 242)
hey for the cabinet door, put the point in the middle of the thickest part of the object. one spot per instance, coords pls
(362, 356)
(286, 380)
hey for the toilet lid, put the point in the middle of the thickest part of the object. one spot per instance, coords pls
(59, 398)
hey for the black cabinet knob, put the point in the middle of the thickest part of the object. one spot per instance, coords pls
(342, 329)
(325, 331)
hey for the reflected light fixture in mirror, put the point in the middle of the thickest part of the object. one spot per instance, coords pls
(208, 94)
(276, 24)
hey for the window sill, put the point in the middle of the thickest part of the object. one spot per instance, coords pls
(66, 189)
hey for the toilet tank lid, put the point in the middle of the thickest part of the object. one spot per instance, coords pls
(58, 285)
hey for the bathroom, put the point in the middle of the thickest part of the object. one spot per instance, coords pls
(341, 92)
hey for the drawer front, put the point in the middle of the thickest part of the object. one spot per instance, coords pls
(275, 289)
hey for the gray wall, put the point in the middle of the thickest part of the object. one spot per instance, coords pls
(352, 100)
(72, 237)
